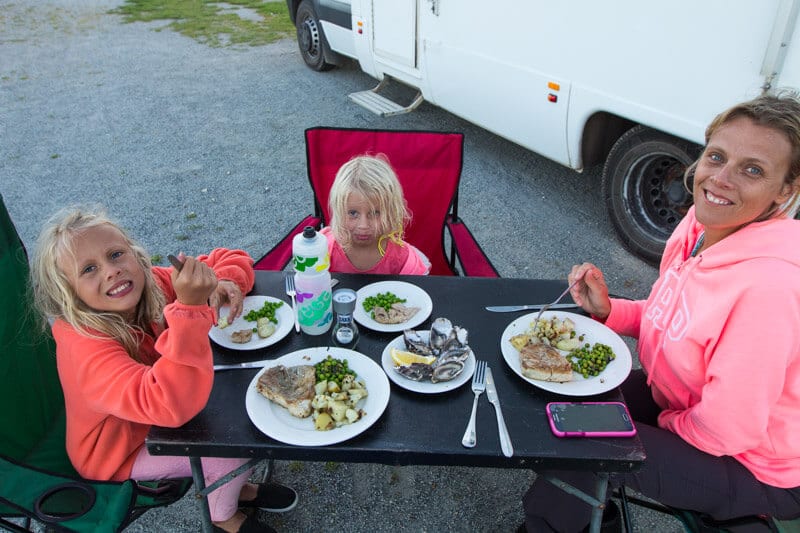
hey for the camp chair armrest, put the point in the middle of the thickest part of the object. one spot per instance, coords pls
(474, 261)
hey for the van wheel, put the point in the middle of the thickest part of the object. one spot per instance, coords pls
(643, 188)
(310, 37)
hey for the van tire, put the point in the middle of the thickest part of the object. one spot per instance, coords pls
(311, 38)
(643, 188)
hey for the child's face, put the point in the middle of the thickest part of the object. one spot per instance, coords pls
(104, 271)
(361, 221)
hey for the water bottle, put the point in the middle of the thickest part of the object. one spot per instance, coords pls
(345, 331)
(312, 281)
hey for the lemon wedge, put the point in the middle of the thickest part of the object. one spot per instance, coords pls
(403, 358)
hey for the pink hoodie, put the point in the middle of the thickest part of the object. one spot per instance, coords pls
(719, 340)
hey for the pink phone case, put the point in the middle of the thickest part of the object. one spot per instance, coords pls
(592, 433)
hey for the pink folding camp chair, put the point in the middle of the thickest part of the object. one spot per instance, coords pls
(428, 165)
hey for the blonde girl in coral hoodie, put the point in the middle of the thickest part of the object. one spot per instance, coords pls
(717, 402)
(133, 351)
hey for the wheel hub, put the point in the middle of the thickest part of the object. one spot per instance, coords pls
(661, 196)
(309, 37)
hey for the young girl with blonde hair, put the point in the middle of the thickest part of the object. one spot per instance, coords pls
(133, 351)
(368, 217)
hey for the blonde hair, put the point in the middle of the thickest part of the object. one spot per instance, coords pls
(56, 298)
(780, 112)
(374, 179)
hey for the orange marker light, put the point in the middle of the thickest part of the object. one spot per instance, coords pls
(553, 86)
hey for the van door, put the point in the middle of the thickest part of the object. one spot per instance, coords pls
(395, 31)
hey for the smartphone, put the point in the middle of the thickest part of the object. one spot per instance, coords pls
(590, 419)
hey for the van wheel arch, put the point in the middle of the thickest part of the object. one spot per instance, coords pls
(643, 190)
(314, 47)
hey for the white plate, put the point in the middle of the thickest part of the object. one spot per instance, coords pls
(425, 387)
(284, 326)
(593, 331)
(414, 296)
(276, 422)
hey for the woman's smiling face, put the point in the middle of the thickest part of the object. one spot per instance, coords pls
(104, 271)
(740, 176)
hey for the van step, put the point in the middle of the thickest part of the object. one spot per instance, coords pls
(381, 105)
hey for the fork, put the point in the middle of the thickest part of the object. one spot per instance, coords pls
(290, 291)
(554, 302)
(478, 386)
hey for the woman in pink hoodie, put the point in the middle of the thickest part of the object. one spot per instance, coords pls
(717, 402)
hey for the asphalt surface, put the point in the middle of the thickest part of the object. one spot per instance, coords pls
(193, 147)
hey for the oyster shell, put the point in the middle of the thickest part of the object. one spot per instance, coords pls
(459, 354)
(415, 343)
(416, 371)
(447, 371)
(441, 329)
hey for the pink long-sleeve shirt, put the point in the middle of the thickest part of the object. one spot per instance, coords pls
(112, 400)
(720, 343)
(403, 259)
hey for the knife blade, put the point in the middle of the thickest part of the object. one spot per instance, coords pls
(491, 393)
(249, 364)
(535, 307)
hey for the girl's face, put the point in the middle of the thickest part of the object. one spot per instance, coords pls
(740, 176)
(104, 271)
(361, 221)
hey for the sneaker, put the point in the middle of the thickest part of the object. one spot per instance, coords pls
(272, 497)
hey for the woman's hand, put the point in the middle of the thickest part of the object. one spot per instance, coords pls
(591, 291)
(195, 282)
(227, 292)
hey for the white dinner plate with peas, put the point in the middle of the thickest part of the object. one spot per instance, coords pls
(593, 332)
(413, 296)
(283, 315)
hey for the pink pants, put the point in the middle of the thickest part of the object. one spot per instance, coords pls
(222, 503)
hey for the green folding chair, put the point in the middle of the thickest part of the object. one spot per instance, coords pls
(38, 484)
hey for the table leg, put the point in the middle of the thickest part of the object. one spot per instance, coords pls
(597, 502)
(200, 485)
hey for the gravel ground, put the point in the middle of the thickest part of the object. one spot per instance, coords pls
(192, 147)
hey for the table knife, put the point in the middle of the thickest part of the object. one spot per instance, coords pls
(536, 307)
(491, 393)
(249, 364)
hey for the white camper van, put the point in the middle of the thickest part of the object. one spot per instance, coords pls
(629, 84)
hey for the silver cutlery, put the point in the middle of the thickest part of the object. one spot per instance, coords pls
(236, 366)
(290, 291)
(478, 386)
(491, 393)
(534, 307)
(548, 306)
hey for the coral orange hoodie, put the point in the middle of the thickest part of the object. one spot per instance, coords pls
(719, 340)
(111, 400)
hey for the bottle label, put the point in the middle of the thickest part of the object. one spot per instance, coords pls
(344, 335)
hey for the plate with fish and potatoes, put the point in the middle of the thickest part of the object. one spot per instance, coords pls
(392, 306)
(285, 402)
(271, 320)
(566, 353)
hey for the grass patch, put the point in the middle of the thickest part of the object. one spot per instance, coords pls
(216, 24)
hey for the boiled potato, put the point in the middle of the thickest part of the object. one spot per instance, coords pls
(265, 327)
(324, 422)
(520, 341)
